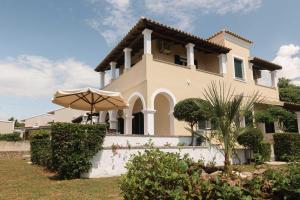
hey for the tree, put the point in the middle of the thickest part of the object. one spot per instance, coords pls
(227, 107)
(288, 92)
(251, 138)
(17, 123)
(191, 111)
(285, 118)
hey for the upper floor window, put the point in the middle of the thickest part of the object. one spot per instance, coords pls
(238, 69)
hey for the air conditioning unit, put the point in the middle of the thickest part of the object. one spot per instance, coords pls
(164, 46)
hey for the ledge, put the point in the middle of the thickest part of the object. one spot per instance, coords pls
(186, 67)
(157, 147)
(151, 136)
(265, 86)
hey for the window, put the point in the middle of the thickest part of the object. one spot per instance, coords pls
(238, 69)
(180, 60)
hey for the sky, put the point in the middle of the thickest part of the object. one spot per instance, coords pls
(50, 45)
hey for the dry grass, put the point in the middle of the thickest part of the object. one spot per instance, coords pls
(19, 180)
(252, 167)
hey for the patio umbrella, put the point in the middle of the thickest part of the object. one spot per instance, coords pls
(89, 99)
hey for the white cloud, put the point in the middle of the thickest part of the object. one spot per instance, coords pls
(34, 76)
(115, 21)
(120, 15)
(288, 56)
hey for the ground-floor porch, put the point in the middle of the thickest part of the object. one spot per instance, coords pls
(154, 116)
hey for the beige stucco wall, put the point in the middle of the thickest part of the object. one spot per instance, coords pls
(40, 120)
(60, 115)
(66, 114)
(132, 81)
(185, 83)
(6, 127)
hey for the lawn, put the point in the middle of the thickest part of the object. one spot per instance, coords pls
(19, 180)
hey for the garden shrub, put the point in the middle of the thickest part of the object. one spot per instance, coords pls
(10, 136)
(251, 138)
(73, 146)
(286, 146)
(264, 149)
(161, 175)
(285, 184)
(263, 153)
(40, 147)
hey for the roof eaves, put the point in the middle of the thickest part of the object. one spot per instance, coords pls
(256, 60)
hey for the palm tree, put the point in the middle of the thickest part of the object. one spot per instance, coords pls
(226, 109)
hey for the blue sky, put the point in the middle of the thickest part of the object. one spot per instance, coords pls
(48, 45)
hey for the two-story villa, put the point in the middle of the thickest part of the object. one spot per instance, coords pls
(155, 66)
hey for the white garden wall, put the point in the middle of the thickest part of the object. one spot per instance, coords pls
(111, 161)
(141, 140)
(6, 146)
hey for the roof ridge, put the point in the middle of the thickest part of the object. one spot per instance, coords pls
(225, 30)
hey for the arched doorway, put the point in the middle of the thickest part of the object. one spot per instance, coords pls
(138, 117)
(163, 102)
(120, 127)
(134, 116)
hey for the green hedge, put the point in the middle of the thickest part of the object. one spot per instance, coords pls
(73, 146)
(40, 146)
(10, 137)
(251, 138)
(286, 146)
(155, 174)
(263, 153)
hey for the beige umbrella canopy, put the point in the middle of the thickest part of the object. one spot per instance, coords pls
(89, 99)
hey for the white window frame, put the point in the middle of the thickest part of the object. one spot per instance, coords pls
(243, 68)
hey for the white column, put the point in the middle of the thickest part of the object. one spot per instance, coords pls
(102, 79)
(149, 122)
(171, 117)
(298, 121)
(102, 115)
(251, 69)
(262, 127)
(127, 57)
(147, 41)
(128, 121)
(242, 121)
(113, 70)
(113, 122)
(273, 78)
(222, 63)
(190, 55)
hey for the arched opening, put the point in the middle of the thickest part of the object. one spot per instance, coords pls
(163, 102)
(120, 127)
(162, 121)
(138, 117)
